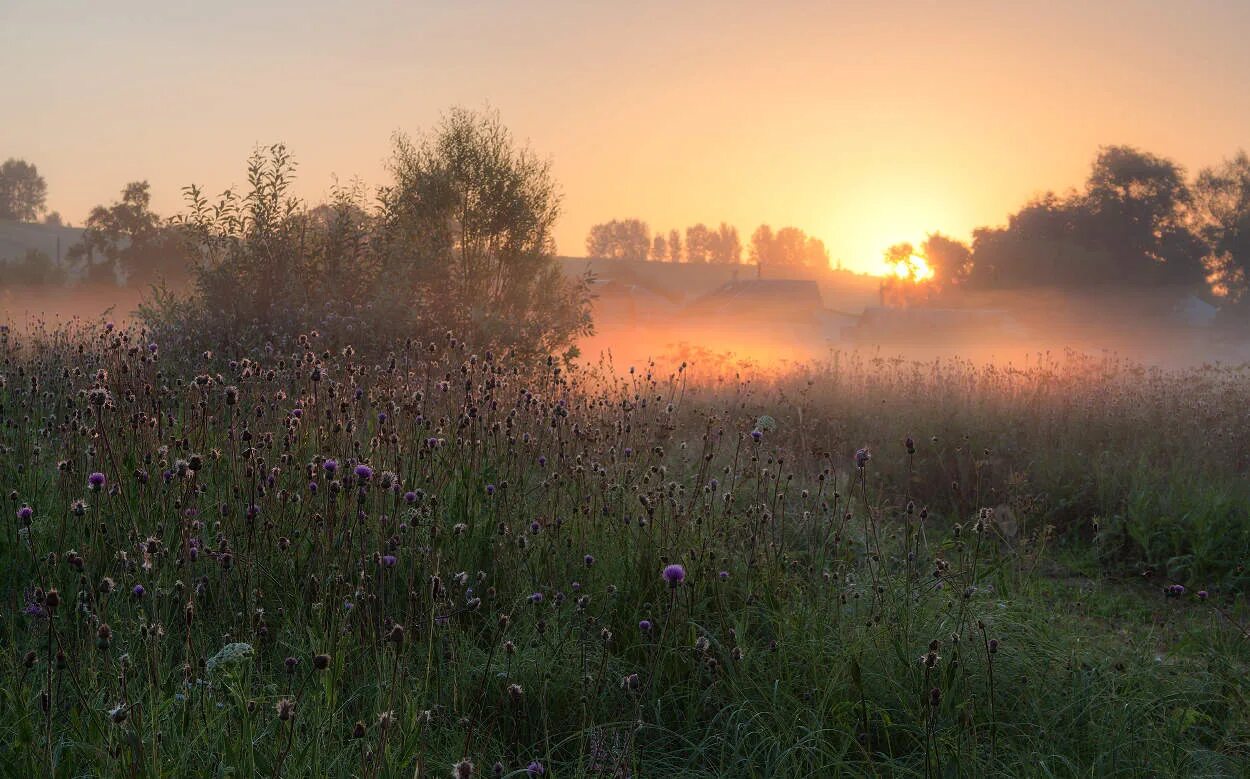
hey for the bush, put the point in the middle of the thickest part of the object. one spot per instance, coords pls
(461, 240)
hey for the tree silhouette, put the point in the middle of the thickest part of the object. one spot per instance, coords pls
(23, 192)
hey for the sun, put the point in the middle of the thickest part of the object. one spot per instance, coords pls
(915, 269)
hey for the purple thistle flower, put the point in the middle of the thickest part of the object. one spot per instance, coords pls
(312, 487)
(96, 481)
(757, 435)
(535, 768)
(674, 574)
(490, 489)
(536, 598)
(139, 591)
(330, 466)
(363, 472)
(297, 412)
(25, 513)
(645, 625)
(589, 560)
(724, 576)
(389, 560)
(410, 497)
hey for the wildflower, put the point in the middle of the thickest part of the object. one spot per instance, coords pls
(25, 513)
(862, 456)
(645, 626)
(330, 466)
(96, 481)
(389, 560)
(535, 768)
(321, 662)
(536, 598)
(589, 560)
(462, 770)
(386, 720)
(138, 591)
(674, 574)
(285, 709)
(757, 435)
(363, 472)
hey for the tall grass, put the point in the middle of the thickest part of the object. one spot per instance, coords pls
(313, 563)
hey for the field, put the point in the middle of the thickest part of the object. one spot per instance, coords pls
(308, 562)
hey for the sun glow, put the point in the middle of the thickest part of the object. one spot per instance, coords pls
(915, 269)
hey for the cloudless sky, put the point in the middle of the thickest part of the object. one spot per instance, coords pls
(863, 123)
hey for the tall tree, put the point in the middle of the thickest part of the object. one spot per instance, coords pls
(127, 241)
(698, 243)
(470, 219)
(761, 252)
(726, 246)
(23, 192)
(674, 246)
(659, 248)
(815, 255)
(626, 239)
(1221, 216)
(948, 258)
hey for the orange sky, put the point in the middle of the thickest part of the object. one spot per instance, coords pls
(862, 123)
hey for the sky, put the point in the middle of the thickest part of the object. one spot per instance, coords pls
(862, 123)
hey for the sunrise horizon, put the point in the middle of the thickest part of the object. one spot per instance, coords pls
(876, 127)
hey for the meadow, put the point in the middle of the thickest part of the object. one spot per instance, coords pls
(304, 561)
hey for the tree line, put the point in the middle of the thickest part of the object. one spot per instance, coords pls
(631, 239)
(1137, 221)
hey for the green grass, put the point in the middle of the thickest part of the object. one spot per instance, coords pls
(1102, 486)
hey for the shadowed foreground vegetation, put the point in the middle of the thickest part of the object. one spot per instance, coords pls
(312, 563)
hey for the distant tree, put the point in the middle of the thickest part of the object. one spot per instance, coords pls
(950, 259)
(53, 219)
(23, 192)
(698, 243)
(761, 251)
(127, 241)
(1221, 217)
(626, 239)
(726, 247)
(674, 246)
(815, 255)
(1128, 227)
(659, 248)
(789, 247)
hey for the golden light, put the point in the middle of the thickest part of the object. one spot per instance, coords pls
(915, 269)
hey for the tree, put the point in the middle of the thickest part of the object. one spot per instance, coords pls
(789, 247)
(468, 222)
(698, 243)
(949, 259)
(659, 248)
(1127, 228)
(674, 246)
(726, 248)
(23, 192)
(627, 239)
(761, 252)
(53, 219)
(1221, 217)
(127, 241)
(815, 255)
